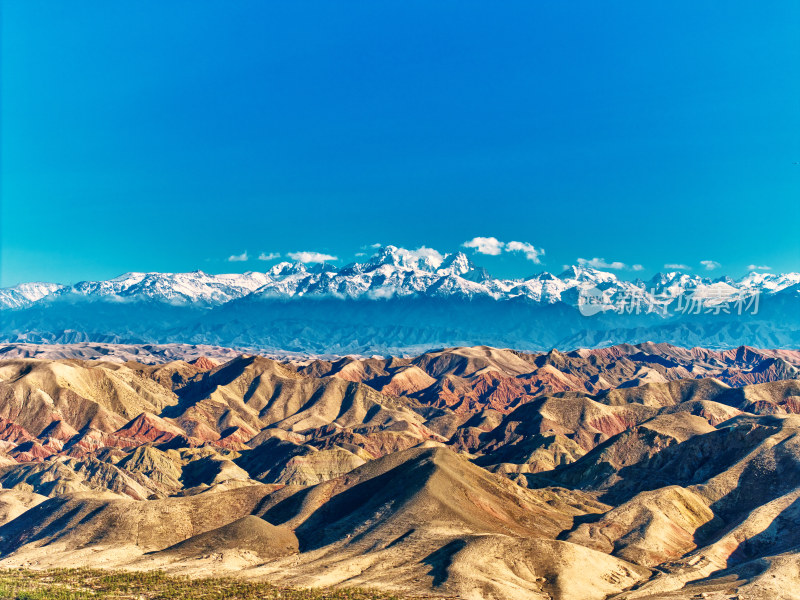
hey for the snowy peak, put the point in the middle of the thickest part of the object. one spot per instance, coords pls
(770, 281)
(25, 294)
(455, 264)
(422, 259)
(391, 255)
(398, 272)
(586, 275)
(176, 288)
(426, 260)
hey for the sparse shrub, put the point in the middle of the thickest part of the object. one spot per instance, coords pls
(94, 584)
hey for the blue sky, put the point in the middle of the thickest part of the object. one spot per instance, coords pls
(171, 136)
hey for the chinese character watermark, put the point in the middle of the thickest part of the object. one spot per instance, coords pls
(708, 300)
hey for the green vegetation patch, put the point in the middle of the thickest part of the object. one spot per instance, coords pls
(89, 584)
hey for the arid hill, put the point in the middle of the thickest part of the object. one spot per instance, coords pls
(480, 377)
(630, 472)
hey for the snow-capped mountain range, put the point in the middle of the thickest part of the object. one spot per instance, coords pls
(396, 273)
(402, 301)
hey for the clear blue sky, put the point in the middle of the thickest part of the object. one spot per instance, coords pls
(171, 135)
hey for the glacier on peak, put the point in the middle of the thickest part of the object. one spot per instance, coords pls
(397, 272)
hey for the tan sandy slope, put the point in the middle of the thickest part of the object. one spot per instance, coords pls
(625, 472)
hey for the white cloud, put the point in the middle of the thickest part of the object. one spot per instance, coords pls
(677, 267)
(360, 254)
(269, 255)
(381, 293)
(758, 268)
(311, 257)
(492, 246)
(430, 253)
(710, 265)
(530, 252)
(485, 245)
(601, 263)
(375, 246)
(239, 257)
(637, 267)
